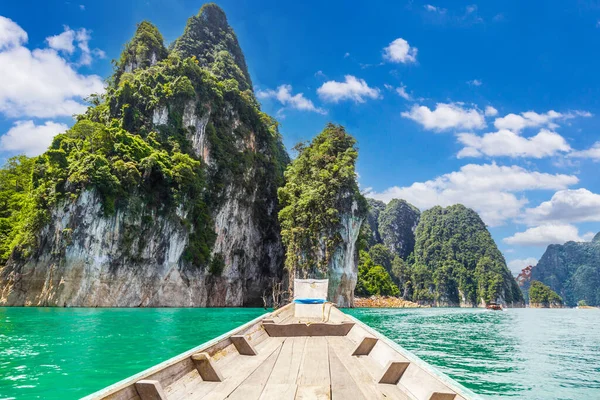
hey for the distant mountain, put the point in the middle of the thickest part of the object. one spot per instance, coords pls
(572, 270)
(443, 257)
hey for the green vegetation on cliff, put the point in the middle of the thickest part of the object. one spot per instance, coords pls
(373, 279)
(133, 143)
(456, 260)
(320, 185)
(450, 259)
(542, 295)
(572, 270)
(397, 223)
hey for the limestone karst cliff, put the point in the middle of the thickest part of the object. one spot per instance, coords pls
(322, 213)
(164, 193)
(572, 270)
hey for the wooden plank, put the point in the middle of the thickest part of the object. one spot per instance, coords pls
(315, 364)
(365, 346)
(313, 393)
(150, 390)
(279, 391)
(303, 329)
(236, 372)
(252, 387)
(363, 375)
(206, 368)
(343, 385)
(243, 346)
(288, 363)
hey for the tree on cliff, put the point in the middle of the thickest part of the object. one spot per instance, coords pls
(542, 295)
(320, 187)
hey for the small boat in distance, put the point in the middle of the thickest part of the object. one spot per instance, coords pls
(308, 349)
(494, 306)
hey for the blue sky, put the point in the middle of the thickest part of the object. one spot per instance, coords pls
(490, 104)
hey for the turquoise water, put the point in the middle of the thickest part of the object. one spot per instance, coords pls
(53, 353)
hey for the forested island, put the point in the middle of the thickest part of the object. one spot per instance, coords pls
(174, 189)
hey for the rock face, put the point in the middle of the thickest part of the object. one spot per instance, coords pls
(397, 224)
(572, 270)
(149, 251)
(371, 225)
(343, 272)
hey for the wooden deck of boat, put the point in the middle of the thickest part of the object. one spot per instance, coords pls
(292, 368)
(287, 355)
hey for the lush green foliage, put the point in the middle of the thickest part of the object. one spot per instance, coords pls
(369, 234)
(320, 185)
(455, 256)
(209, 37)
(373, 279)
(15, 186)
(397, 223)
(145, 48)
(381, 255)
(582, 303)
(572, 270)
(542, 294)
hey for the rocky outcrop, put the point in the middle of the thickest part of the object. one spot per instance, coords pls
(397, 224)
(572, 270)
(343, 272)
(181, 231)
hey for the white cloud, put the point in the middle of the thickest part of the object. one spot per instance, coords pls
(39, 83)
(352, 88)
(403, 93)
(547, 234)
(593, 152)
(566, 206)
(507, 143)
(472, 8)
(431, 8)
(489, 189)
(284, 95)
(26, 137)
(399, 51)
(517, 265)
(11, 34)
(69, 39)
(446, 116)
(63, 41)
(531, 119)
(490, 111)
(474, 82)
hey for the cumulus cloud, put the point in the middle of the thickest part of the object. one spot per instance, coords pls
(352, 88)
(490, 111)
(507, 143)
(446, 116)
(518, 264)
(283, 94)
(39, 83)
(11, 34)
(475, 82)
(531, 119)
(566, 206)
(592, 153)
(29, 138)
(399, 51)
(547, 234)
(489, 189)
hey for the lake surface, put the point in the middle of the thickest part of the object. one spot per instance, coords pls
(54, 353)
